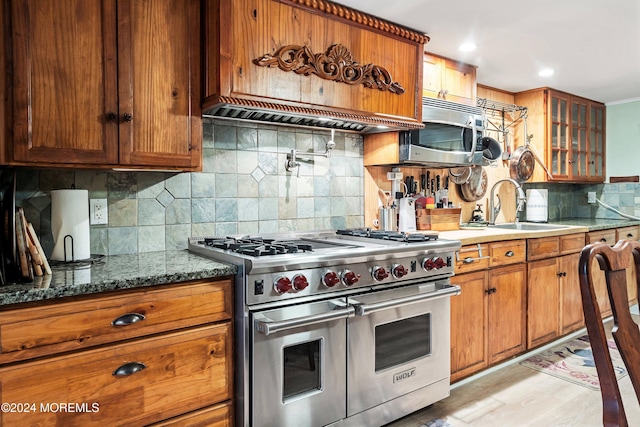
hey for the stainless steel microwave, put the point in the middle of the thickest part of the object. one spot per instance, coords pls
(451, 136)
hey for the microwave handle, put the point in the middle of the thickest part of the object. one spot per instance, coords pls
(474, 139)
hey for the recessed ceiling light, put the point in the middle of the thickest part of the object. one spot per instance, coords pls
(467, 47)
(546, 72)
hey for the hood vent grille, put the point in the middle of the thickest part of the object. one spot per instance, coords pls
(241, 109)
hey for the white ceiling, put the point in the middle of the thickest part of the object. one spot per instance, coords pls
(593, 45)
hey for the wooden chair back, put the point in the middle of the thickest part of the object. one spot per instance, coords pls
(626, 333)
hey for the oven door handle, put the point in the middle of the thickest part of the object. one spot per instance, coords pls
(365, 309)
(270, 327)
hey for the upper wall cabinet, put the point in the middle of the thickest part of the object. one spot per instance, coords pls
(111, 83)
(569, 130)
(447, 79)
(303, 60)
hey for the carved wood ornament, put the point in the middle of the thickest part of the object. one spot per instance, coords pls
(336, 64)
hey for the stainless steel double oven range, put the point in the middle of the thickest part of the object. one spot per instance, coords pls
(341, 328)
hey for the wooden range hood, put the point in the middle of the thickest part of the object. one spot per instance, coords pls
(311, 63)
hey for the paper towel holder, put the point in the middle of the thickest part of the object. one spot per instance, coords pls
(64, 247)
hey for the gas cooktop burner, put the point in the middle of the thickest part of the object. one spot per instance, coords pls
(386, 235)
(256, 246)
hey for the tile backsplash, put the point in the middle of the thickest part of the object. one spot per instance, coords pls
(243, 189)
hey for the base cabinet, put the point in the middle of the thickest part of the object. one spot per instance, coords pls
(469, 324)
(488, 317)
(507, 295)
(554, 304)
(167, 367)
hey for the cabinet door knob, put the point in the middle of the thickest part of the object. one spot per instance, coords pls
(603, 240)
(129, 369)
(111, 116)
(127, 117)
(128, 319)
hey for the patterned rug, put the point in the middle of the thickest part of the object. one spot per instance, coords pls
(573, 361)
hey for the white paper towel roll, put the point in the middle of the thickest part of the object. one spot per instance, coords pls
(70, 217)
(537, 205)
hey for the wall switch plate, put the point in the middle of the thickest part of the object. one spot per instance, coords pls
(98, 213)
(591, 197)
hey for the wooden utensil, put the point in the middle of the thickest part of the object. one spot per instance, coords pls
(23, 257)
(34, 238)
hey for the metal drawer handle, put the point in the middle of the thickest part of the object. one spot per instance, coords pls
(129, 369)
(269, 327)
(603, 240)
(364, 309)
(128, 319)
(629, 235)
(509, 254)
(466, 260)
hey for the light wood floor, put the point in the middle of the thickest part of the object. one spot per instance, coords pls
(516, 396)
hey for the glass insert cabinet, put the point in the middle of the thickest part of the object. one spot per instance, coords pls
(570, 130)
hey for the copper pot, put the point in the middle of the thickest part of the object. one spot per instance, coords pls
(476, 186)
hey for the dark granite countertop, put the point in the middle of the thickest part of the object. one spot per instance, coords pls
(116, 272)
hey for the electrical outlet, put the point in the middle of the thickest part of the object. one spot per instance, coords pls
(98, 213)
(591, 197)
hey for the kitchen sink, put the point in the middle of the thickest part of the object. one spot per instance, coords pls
(528, 226)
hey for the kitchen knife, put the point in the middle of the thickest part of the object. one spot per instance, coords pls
(423, 184)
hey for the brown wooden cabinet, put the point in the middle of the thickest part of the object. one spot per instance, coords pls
(111, 83)
(130, 357)
(450, 80)
(569, 130)
(469, 325)
(507, 312)
(488, 317)
(280, 55)
(554, 305)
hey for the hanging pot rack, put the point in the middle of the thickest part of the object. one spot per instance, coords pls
(501, 116)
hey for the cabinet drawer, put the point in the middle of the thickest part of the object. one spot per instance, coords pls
(627, 233)
(214, 416)
(543, 247)
(572, 243)
(177, 373)
(608, 236)
(37, 331)
(472, 258)
(508, 252)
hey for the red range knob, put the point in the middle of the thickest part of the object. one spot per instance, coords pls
(379, 273)
(428, 264)
(349, 277)
(300, 282)
(330, 279)
(399, 271)
(439, 262)
(282, 285)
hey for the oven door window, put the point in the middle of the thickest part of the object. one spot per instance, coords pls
(401, 341)
(301, 369)
(444, 137)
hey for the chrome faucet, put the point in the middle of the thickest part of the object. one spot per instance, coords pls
(521, 199)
